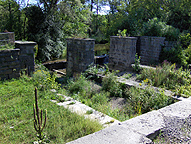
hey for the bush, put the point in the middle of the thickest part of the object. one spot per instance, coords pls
(111, 85)
(44, 80)
(155, 27)
(144, 100)
(166, 76)
(181, 53)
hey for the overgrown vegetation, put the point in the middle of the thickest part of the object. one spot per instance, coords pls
(16, 115)
(7, 46)
(168, 77)
(180, 53)
(99, 97)
(49, 23)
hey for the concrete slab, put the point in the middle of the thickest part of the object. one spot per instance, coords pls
(180, 109)
(148, 124)
(82, 109)
(113, 135)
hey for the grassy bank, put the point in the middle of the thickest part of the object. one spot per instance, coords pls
(137, 101)
(16, 112)
(167, 76)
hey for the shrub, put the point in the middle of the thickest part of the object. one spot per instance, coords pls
(111, 85)
(144, 100)
(181, 53)
(166, 76)
(155, 27)
(44, 80)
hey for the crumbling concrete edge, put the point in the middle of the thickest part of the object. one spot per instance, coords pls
(141, 129)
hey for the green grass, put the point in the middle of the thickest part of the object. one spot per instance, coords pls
(16, 115)
(168, 77)
(101, 49)
(7, 46)
(138, 101)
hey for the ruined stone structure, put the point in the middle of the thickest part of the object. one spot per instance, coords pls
(80, 54)
(122, 52)
(9, 64)
(26, 56)
(7, 38)
(149, 48)
(14, 60)
(169, 45)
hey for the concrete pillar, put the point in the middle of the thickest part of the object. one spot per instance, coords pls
(26, 56)
(149, 48)
(80, 54)
(122, 52)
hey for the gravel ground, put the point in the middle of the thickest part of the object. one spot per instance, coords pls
(176, 131)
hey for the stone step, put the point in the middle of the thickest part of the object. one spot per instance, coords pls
(141, 129)
(82, 109)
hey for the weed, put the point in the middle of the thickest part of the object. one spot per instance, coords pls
(137, 67)
(89, 111)
(167, 76)
(38, 125)
(111, 85)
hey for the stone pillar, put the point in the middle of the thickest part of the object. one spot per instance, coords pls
(80, 54)
(122, 52)
(26, 56)
(7, 38)
(149, 48)
(9, 64)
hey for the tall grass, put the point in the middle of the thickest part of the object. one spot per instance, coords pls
(167, 76)
(16, 115)
(138, 101)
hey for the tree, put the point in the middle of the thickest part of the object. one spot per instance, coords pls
(11, 17)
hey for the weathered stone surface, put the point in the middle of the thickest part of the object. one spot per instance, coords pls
(26, 56)
(80, 54)
(149, 48)
(180, 109)
(146, 124)
(7, 71)
(14, 75)
(7, 38)
(116, 134)
(122, 52)
(11, 61)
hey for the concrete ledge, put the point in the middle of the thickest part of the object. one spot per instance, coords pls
(82, 109)
(116, 134)
(136, 130)
(180, 109)
(146, 124)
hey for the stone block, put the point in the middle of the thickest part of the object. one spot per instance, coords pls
(14, 75)
(113, 135)
(3, 76)
(7, 71)
(122, 49)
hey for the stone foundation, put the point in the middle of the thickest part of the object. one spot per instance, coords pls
(7, 38)
(80, 54)
(26, 56)
(122, 52)
(149, 48)
(9, 64)
(14, 60)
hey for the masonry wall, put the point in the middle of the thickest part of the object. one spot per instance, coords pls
(9, 64)
(7, 38)
(26, 56)
(168, 45)
(122, 52)
(149, 48)
(80, 54)
(14, 60)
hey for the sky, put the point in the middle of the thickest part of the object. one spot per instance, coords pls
(104, 9)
